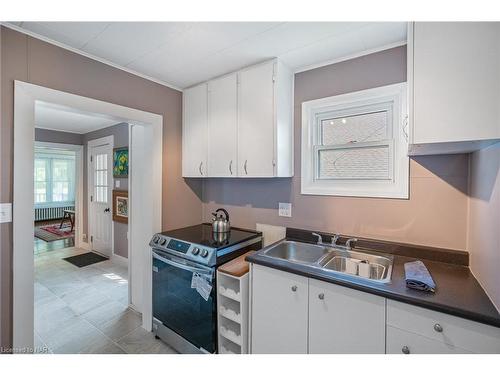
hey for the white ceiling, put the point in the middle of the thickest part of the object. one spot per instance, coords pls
(181, 54)
(56, 117)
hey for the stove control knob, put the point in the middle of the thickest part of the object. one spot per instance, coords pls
(155, 239)
(204, 253)
(196, 251)
(163, 241)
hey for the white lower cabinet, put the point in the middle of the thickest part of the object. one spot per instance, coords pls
(340, 320)
(296, 314)
(344, 320)
(445, 332)
(279, 312)
(403, 342)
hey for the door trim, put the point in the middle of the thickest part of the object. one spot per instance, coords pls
(108, 140)
(144, 219)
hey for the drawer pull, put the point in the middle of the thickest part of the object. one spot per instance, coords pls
(405, 350)
(438, 328)
(294, 288)
(321, 296)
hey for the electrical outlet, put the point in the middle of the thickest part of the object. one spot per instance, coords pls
(117, 183)
(5, 212)
(285, 209)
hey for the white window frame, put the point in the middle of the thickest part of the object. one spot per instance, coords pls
(314, 111)
(49, 157)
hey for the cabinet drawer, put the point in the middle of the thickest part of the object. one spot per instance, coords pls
(448, 329)
(402, 342)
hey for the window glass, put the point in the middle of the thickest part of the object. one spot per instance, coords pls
(363, 127)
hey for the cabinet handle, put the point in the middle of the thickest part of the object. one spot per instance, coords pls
(405, 350)
(321, 296)
(199, 168)
(438, 327)
(245, 167)
(294, 288)
(231, 167)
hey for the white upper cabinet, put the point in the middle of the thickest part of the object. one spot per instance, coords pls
(223, 126)
(454, 76)
(195, 131)
(344, 320)
(250, 123)
(256, 122)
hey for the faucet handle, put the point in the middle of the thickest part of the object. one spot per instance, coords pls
(320, 239)
(334, 239)
(349, 242)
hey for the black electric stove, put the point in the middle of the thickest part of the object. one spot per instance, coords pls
(185, 315)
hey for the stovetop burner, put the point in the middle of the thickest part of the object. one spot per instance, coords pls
(199, 244)
(202, 235)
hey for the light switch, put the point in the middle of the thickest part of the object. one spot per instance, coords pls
(285, 209)
(5, 212)
(117, 183)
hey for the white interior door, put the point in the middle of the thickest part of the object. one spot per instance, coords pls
(100, 204)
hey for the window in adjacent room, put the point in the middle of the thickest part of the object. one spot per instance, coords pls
(54, 177)
(356, 144)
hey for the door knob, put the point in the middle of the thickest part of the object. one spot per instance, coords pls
(405, 350)
(294, 288)
(106, 209)
(438, 327)
(321, 296)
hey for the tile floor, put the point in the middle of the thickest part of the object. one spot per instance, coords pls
(84, 310)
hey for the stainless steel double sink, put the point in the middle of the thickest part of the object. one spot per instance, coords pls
(335, 259)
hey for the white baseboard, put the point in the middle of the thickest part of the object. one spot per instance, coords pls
(118, 259)
(83, 245)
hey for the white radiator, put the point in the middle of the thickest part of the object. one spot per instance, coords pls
(50, 213)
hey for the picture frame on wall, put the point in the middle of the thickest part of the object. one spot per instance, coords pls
(120, 206)
(120, 162)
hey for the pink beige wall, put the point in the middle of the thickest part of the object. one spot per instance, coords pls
(31, 60)
(435, 214)
(484, 219)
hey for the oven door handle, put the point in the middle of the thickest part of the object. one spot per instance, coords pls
(182, 265)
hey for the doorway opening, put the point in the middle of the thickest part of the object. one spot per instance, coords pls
(87, 296)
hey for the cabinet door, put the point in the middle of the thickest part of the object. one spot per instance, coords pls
(194, 132)
(279, 312)
(456, 81)
(256, 126)
(222, 126)
(403, 342)
(344, 320)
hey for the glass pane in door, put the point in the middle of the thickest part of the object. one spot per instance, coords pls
(101, 178)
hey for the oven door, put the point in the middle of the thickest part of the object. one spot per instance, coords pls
(180, 307)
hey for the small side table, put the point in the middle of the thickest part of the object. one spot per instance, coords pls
(70, 215)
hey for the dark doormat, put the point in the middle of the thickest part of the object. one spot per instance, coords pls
(86, 259)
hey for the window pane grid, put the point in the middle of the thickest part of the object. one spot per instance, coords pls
(101, 185)
(54, 176)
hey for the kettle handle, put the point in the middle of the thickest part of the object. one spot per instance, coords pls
(223, 210)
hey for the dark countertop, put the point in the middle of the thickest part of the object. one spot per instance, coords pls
(457, 291)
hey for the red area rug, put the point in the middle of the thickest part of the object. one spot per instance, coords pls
(53, 233)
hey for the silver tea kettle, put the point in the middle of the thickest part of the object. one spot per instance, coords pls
(220, 224)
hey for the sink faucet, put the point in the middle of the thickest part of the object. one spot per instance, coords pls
(334, 239)
(349, 242)
(320, 238)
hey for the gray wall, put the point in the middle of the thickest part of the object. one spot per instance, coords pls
(55, 136)
(435, 214)
(32, 60)
(120, 135)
